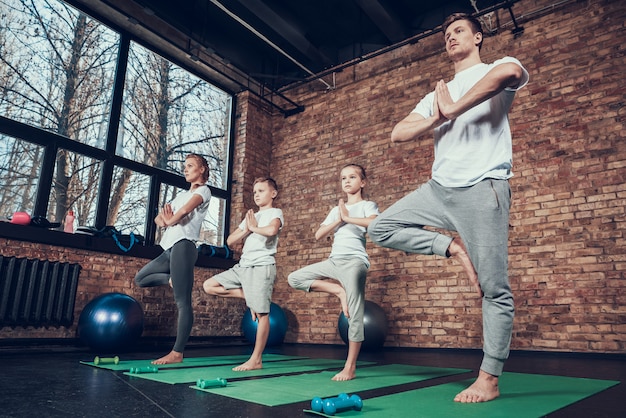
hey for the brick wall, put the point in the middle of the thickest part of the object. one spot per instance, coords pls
(567, 248)
(102, 273)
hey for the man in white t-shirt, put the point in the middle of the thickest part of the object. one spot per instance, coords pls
(469, 191)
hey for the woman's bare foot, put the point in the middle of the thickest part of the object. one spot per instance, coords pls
(458, 251)
(171, 358)
(249, 365)
(348, 373)
(484, 389)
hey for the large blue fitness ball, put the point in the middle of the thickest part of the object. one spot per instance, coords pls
(374, 324)
(111, 322)
(278, 326)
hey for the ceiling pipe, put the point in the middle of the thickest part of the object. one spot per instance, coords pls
(267, 41)
(413, 39)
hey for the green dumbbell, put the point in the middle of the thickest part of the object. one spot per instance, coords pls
(147, 369)
(106, 360)
(211, 383)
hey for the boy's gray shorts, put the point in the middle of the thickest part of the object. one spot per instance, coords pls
(257, 283)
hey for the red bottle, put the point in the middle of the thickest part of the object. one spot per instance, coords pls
(69, 222)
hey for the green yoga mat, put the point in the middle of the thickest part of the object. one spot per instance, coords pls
(188, 375)
(521, 395)
(304, 387)
(125, 365)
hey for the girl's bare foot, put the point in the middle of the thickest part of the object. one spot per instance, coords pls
(249, 365)
(348, 373)
(458, 251)
(484, 389)
(171, 358)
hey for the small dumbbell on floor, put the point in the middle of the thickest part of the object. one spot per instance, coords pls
(354, 402)
(211, 383)
(331, 406)
(106, 360)
(147, 369)
(317, 403)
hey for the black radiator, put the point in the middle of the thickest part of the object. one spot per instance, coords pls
(37, 292)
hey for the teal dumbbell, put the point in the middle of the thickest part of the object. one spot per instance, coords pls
(331, 407)
(211, 383)
(106, 360)
(147, 369)
(317, 403)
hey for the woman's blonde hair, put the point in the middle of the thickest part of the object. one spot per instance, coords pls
(203, 163)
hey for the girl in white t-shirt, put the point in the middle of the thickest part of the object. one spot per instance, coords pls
(348, 262)
(182, 219)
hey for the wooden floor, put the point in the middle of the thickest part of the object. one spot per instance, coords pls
(50, 381)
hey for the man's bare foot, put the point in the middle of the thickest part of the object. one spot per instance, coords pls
(249, 365)
(344, 302)
(348, 373)
(484, 389)
(458, 251)
(171, 358)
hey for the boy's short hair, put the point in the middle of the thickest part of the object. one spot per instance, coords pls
(474, 23)
(269, 181)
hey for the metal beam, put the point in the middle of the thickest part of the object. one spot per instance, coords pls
(384, 19)
(286, 30)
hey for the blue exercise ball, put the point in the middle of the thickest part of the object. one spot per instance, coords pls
(111, 322)
(374, 326)
(278, 326)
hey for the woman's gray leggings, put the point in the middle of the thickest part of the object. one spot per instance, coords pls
(178, 263)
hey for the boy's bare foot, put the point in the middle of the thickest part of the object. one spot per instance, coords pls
(346, 374)
(484, 389)
(249, 365)
(171, 358)
(344, 302)
(458, 251)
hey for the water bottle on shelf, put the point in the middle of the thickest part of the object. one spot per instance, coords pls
(69, 222)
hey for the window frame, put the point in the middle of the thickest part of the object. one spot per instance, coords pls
(52, 142)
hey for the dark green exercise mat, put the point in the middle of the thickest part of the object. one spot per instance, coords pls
(521, 396)
(271, 368)
(297, 388)
(125, 365)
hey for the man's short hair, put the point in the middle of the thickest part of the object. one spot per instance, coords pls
(474, 23)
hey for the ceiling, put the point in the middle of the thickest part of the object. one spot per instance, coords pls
(268, 46)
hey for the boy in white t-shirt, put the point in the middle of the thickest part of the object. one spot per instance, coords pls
(253, 277)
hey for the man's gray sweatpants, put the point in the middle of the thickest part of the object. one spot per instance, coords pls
(480, 214)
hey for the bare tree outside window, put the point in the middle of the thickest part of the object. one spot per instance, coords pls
(19, 175)
(62, 64)
(169, 113)
(57, 73)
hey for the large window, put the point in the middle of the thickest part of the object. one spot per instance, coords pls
(94, 122)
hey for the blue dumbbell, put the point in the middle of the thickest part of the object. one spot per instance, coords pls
(332, 407)
(317, 403)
